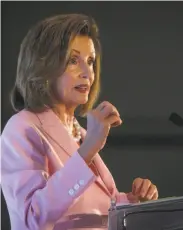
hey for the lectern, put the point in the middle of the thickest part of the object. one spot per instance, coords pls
(162, 214)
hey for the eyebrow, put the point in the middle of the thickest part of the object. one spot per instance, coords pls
(77, 51)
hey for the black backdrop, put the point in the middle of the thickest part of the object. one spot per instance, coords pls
(142, 75)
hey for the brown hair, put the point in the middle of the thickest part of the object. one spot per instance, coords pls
(43, 57)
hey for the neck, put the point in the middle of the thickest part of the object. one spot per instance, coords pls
(65, 113)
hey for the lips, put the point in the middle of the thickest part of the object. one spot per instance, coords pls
(82, 88)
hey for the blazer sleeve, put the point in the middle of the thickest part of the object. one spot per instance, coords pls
(36, 197)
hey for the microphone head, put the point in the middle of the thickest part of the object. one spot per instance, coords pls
(176, 119)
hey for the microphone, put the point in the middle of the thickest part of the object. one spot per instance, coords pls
(176, 119)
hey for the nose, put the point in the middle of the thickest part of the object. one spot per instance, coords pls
(85, 72)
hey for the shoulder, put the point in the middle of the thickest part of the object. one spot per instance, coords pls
(20, 121)
(21, 132)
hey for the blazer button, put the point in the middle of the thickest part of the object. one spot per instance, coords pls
(71, 192)
(81, 182)
(76, 186)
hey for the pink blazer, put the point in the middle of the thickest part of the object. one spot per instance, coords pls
(46, 184)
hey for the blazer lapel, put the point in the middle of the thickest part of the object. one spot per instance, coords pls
(56, 131)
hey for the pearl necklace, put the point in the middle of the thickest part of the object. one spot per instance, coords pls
(77, 128)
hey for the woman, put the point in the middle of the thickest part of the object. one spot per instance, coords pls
(52, 174)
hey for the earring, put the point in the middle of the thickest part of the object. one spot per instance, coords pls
(47, 83)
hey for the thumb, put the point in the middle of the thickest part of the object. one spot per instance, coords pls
(132, 198)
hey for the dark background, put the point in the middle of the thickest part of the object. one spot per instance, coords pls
(142, 75)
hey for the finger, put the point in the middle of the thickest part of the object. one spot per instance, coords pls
(155, 196)
(114, 120)
(150, 193)
(132, 198)
(136, 186)
(101, 106)
(145, 187)
(107, 109)
(117, 123)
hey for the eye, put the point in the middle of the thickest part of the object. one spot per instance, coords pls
(73, 60)
(91, 61)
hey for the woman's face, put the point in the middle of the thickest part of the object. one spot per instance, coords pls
(74, 85)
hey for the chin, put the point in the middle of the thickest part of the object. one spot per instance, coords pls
(81, 101)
